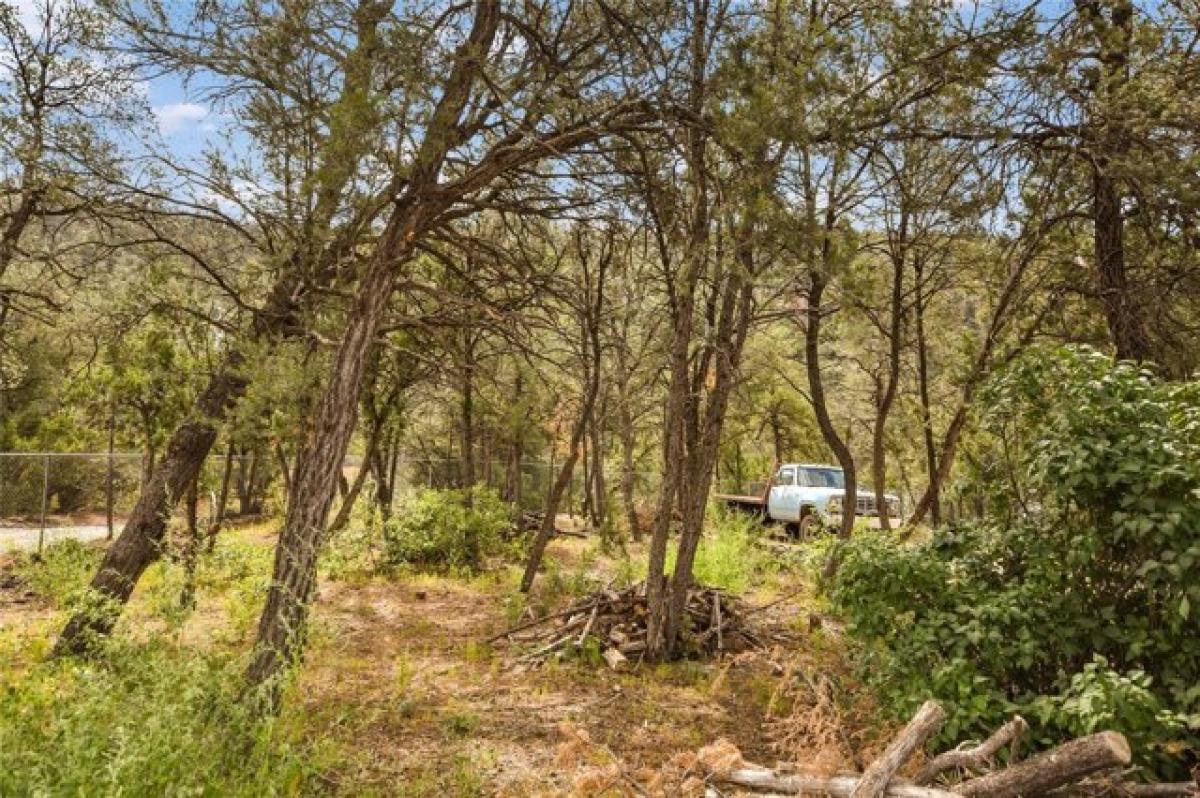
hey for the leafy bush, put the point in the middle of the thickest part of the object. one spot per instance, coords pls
(447, 530)
(1072, 599)
(142, 721)
(62, 572)
(727, 556)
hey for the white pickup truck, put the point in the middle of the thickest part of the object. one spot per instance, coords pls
(808, 496)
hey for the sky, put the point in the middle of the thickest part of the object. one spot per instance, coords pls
(183, 121)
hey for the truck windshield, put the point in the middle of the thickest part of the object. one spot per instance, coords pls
(822, 478)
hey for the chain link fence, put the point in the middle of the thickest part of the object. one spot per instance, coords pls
(48, 496)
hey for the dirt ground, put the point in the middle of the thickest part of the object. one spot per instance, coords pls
(400, 680)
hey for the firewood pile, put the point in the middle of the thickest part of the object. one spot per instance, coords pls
(615, 620)
(1096, 766)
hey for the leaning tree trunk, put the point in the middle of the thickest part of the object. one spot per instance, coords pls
(140, 542)
(736, 314)
(282, 626)
(342, 518)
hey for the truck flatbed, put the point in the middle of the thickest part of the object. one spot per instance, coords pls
(754, 504)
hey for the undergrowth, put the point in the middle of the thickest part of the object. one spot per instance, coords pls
(143, 719)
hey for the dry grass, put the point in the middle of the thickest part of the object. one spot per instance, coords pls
(398, 681)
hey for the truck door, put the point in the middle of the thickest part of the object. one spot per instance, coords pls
(783, 502)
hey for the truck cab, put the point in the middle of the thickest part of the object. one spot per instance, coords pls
(808, 496)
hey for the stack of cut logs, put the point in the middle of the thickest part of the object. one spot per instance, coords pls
(1092, 765)
(616, 621)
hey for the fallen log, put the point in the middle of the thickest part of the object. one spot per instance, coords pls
(1065, 764)
(979, 759)
(834, 786)
(875, 778)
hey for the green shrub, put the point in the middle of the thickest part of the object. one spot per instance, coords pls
(141, 721)
(727, 556)
(1088, 549)
(447, 530)
(62, 572)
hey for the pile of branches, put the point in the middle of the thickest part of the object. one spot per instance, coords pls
(1093, 765)
(615, 621)
(530, 522)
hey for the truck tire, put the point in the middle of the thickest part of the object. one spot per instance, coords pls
(808, 527)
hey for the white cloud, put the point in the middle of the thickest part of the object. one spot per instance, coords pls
(29, 12)
(176, 117)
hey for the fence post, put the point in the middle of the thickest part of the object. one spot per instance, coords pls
(108, 498)
(45, 501)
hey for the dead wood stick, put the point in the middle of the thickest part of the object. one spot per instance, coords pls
(1065, 764)
(834, 786)
(1174, 789)
(591, 621)
(717, 621)
(546, 649)
(979, 758)
(877, 775)
(539, 621)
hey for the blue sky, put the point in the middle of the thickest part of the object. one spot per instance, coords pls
(184, 121)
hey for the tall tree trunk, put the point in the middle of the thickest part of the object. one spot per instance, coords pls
(628, 475)
(467, 465)
(191, 546)
(285, 470)
(591, 319)
(891, 382)
(553, 499)
(109, 488)
(1124, 314)
(931, 461)
(816, 387)
(140, 542)
(600, 487)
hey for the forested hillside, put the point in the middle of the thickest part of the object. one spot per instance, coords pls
(406, 398)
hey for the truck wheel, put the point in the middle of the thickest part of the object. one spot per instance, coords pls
(809, 525)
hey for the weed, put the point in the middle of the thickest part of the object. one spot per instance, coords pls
(461, 723)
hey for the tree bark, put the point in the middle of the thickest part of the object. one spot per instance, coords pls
(140, 542)
(816, 387)
(592, 314)
(892, 381)
(628, 475)
(879, 773)
(191, 546)
(283, 623)
(1059, 766)
(931, 460)
(600, 488)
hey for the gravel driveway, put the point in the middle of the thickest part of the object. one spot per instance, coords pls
(26, 538)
